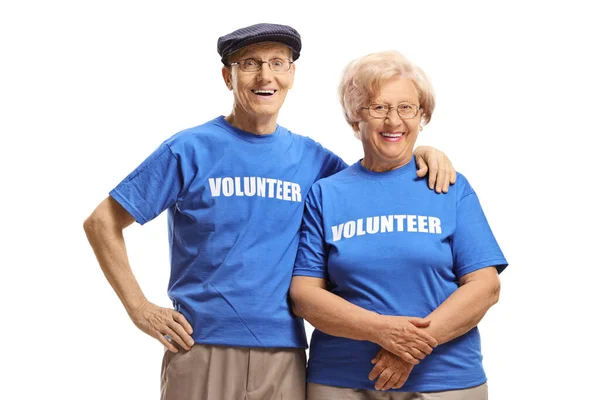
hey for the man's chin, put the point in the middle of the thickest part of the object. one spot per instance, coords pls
(266, 110)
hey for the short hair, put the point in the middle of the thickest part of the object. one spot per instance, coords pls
(363, 77)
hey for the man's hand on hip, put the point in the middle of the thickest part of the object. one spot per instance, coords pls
(159, 322)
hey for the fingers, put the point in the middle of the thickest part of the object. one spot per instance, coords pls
(424, 336)
(392, 381)
(419, 322)
(414, 352)
(418, 354)
(406, 356)
(432, 173)
(182, 334)
(383, 378)
(431, 178)
(442, 180)
(420, 348)
(166, 343)
(449, 179)
(377, 357)
(401, 381)
(158, 321)
(415, 341)
(175, 337)
(421, 167)
(183, 322)
(377, 369)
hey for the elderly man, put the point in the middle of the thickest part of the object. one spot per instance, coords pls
(234, 188)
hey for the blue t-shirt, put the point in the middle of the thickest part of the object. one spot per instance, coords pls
(389, 244)
(235, 203)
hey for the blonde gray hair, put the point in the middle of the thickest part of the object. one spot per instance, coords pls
(363, 77)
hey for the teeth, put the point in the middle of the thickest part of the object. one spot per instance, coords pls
(392, 135)
(264, 91)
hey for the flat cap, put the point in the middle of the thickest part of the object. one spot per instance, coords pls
(232, 42)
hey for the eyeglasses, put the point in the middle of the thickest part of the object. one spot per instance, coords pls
(277, 65)
(405, 110)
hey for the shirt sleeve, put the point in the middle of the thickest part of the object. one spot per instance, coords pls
(332, 164)
(152, 187)
(473, 243)
(311, 259)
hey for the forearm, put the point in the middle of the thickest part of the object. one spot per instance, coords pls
(333, 315)
(108, 244)
(463, 310)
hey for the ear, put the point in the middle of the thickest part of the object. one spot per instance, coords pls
(226, 72)
(293, 72)
(356, 129)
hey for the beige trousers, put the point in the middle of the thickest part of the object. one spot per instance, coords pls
(233, 373)
(316, 391)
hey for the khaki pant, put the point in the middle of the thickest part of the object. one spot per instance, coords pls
(316, 391)
(233, 373)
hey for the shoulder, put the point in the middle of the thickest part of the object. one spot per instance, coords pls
(305, 141)
(337, 182)
(462, 187)
(212, 131)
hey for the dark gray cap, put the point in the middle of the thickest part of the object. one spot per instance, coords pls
(230, 43)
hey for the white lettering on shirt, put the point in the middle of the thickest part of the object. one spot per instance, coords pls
(385, 224)
(337, 232)
(250, 186)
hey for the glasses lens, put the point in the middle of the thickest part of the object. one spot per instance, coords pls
(407, 110)
(378, 110)
(279, 65)
(249, 65)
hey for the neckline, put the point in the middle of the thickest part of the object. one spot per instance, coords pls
(411, 166)
(249, 136)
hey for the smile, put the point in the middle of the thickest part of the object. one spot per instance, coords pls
(264, 92)
(392, 135)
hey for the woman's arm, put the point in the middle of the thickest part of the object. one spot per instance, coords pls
(462, 311)
(457, 315)
(335, 316)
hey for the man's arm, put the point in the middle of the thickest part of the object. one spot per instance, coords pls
(104, 230)
(441, 171)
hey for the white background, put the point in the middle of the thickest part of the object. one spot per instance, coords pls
(89, 89)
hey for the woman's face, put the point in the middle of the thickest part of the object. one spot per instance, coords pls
(389, 142)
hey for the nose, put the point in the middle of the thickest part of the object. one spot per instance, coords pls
(392, 117)
(265, 73)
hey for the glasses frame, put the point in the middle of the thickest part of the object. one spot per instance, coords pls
(261, 62)
(390, 109)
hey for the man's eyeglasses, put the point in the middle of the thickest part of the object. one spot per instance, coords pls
(405, 110)
(277, 65)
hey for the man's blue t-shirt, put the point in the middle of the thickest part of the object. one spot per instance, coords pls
(235, 203)
(385, 242)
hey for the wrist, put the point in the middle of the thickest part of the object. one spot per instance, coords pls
(421, 149)
(134, 306)
(376, 328)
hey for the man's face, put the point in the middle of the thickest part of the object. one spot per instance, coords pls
(260, 93)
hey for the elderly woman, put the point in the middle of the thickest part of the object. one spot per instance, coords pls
(388, 272)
